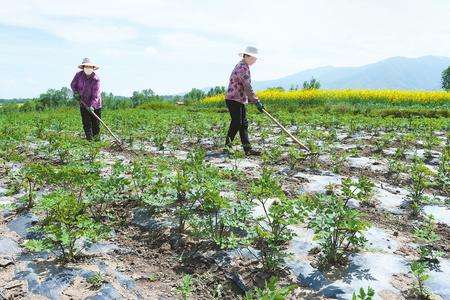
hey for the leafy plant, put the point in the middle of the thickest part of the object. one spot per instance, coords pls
(337, 160)
(66, 221)
(219, 219)
(33, 176)
(109, 191)
(236, 156)
(272, 155)
(361, 190)
(443, 174)
(337, 227)
(61, 147)
(186, 287)
(364, 295)
(396, 167)
(383, 142)
(295, 157)
(426, 234)
(272, 230)
(430, 142)
(419, 270)
(96, 280)
(419, 182)
(271, 291)
(160, 137)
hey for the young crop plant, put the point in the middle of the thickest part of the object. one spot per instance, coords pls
(363, 294)
(66, 221)
(160, 137)
(442, 177)
(142, 178)
(419, 269)
(61, 147)
(220, 219)
(337, 159)
(338, 228)
(382, 142)
(420, 180)
(295, 157)
(236, 156)
(271, 291)
(34, 175)
(396, 168)
(272, 155)
(431, 142)
(96, 280)
(271, 230)
(427, 237)
(361, 190)
(185, 289)
(104, 194)
(189, 183)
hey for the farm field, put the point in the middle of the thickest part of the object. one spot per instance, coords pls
(173, 217)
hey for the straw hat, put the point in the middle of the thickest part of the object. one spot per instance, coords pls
(87, 62)
(252, 51)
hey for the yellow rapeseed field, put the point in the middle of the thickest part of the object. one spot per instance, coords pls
(387, 96)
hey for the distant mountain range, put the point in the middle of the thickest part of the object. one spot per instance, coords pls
(422, 73)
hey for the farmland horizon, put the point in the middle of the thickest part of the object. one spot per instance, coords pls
(310, 73)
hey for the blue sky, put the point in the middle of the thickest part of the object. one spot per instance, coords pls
(172, 46)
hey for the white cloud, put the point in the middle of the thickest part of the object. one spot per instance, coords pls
(150, 50)
(87, 33)
(112, 52)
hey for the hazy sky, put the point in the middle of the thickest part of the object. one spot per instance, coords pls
(173, 45)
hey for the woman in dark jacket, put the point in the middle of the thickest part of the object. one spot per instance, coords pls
(240, 93)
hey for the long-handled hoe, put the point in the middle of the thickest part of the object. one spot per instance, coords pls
(288, 133)
(117, 140)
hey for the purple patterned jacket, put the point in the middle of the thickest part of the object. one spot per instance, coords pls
(240, 87)
(88, 88)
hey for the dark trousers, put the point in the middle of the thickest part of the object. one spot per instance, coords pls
(91, 125)
(239, 123)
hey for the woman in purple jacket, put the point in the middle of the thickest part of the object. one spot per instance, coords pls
(240, 93)
(86, 89)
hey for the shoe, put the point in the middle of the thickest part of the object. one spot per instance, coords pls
(251, 152)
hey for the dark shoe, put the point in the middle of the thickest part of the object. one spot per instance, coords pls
(251, 152)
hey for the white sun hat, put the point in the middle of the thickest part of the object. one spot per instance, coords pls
(87, 62)
(250, 50)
